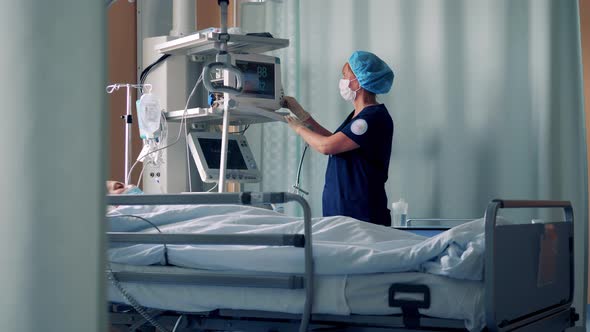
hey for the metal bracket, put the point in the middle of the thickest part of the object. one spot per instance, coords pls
(409, 308)
(223, 37)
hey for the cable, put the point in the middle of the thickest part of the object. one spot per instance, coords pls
(296, 186)
(148, 69)
(164, 127)
(241, 132)
(182, 121)
(132, 301)
(140, 176)
(153, 225)
(301, 164)
(157, 159)
(177, 323)
(138, 217)
(215, 186)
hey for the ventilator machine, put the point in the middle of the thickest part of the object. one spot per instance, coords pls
(205, 89)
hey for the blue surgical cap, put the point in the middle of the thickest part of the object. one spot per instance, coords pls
(373, 74)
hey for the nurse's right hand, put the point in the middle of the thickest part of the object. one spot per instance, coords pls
(294, 106)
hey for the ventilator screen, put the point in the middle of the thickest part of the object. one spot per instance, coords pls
(212, 151)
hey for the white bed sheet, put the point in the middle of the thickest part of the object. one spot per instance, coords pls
(341, 245)
(337, 295)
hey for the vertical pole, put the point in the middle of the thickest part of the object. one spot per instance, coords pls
(183, 17)
(223, 5)
(225, 129)
(224, 138)
(128, 133)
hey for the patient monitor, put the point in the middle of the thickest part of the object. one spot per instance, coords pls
(262, 81)
(206, 150)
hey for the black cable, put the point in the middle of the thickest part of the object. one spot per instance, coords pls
(153, 225)
(301, 164)
(148, 69)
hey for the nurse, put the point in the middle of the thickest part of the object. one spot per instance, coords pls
(360, 148)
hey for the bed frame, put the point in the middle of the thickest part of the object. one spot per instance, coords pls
(528, 283)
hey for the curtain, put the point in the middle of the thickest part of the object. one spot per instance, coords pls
(53, 161)
(277, 149)
(486, 101)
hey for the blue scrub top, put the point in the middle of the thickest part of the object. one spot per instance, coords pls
(355, 180)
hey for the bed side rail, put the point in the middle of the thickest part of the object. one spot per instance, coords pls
(295, 240)
(242, 198)
(528, 267)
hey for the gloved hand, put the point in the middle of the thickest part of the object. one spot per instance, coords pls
(294, 122)
(294, 106)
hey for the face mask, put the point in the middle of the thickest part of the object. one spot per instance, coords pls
(132, 190)
(347, 93)
(129, 190)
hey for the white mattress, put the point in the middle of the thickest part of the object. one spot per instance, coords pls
(337, 295)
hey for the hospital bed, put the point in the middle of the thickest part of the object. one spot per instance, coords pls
(528, 284)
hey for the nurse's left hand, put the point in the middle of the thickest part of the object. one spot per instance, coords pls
(294, 123)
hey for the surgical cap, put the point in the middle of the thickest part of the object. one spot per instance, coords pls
(373, 74)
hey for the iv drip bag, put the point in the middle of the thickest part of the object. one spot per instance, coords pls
(148, 113)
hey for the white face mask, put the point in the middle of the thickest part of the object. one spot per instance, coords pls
(347, 93)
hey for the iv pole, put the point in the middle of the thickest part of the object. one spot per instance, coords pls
(223, 62)
(222, 47)
(128, 118)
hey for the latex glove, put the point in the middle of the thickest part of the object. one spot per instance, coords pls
(294, 123)
(294, 106)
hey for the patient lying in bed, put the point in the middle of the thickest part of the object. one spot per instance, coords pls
(342, 245)
(115, 187)
(344, 249)
(345, 252)
(118, 188)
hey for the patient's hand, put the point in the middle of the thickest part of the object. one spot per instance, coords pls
(115, 187)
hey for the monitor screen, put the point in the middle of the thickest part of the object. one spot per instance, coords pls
(212, 151)
(259, 78)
